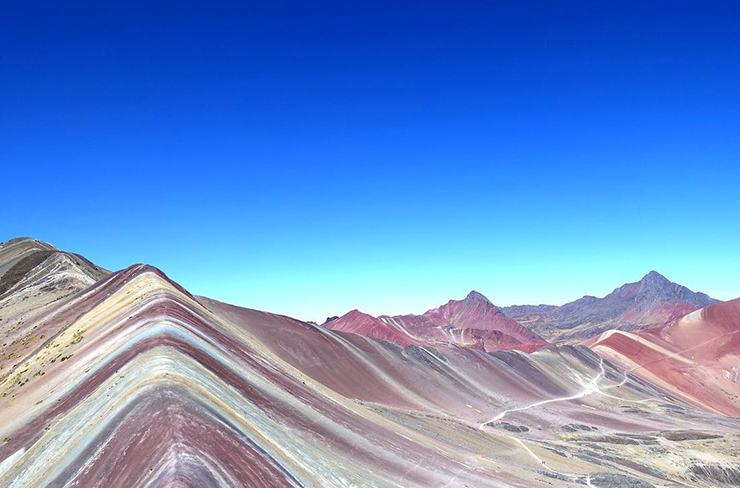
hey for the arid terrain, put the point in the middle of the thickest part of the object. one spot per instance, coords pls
(126, 379)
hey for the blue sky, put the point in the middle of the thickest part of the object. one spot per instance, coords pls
(312, 157)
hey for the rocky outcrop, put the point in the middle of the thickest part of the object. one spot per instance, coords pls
(715, 474)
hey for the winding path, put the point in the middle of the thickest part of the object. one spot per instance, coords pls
(591, 387)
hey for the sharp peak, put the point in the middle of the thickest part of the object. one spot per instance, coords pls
(653, 279)
(476, 296)
(654, 274)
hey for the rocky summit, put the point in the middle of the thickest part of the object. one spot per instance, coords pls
(652, 301)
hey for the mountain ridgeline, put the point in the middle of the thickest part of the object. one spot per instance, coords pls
(471, 322)
(476, 322)
(650, 302)
(127, 379)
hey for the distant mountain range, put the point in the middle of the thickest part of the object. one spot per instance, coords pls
(471, 322)
(476, 322)
(654, 300)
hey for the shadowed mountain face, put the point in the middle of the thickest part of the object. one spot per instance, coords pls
(472, 322)
(133, 381)
(652, 301)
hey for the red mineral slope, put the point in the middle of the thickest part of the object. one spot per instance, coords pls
(696, 357)
(473, 322)
(357, 322)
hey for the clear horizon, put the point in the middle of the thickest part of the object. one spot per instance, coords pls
(309, 159)
(378, 307)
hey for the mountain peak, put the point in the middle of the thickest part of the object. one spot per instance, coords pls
(475, 296)
(654, 275)
(656, 283)
(655, 286)
(18, 240)
(353, 315)
(25, 244)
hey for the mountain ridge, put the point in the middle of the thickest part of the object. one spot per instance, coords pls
(473, 321)
(134, 381)
(651, 301)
